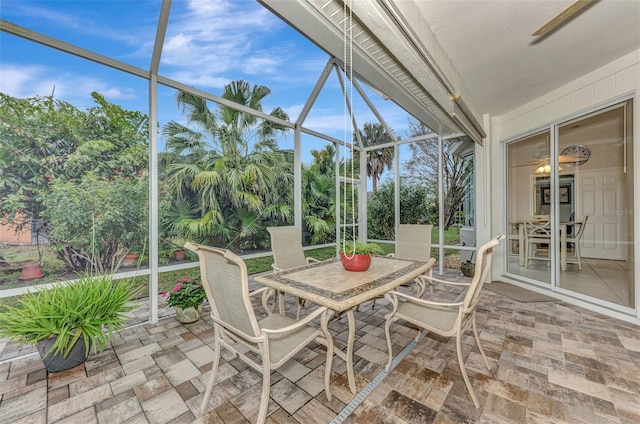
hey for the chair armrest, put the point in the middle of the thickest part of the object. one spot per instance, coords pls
(429, 278)
(393, 296)
(258, 291)
(298, 324)
(267, 292)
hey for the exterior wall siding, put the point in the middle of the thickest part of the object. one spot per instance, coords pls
(613, 80)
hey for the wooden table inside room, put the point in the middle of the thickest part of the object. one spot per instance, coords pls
(328, 284)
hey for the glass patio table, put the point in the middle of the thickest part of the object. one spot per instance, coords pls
(328, 284)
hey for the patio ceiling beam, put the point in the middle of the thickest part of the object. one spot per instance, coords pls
(386, 58)
(347, 101)
(314, 93)
(231, 104)
(54, 43)
(374, 110)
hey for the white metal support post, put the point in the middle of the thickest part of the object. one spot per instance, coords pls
(153, 160)
(440, 206)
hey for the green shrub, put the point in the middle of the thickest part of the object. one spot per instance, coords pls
(94, 222)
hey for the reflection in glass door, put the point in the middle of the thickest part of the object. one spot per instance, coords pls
(597, 150)
(529, 208)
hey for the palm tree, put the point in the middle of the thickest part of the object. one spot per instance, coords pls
(230, 166)
(325, 159)
(377, 159)
(319, 206)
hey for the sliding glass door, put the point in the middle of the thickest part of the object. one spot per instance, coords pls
(569, 207)
(597, 150)
(528, 205)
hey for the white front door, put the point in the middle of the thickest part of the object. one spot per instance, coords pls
(601, 195)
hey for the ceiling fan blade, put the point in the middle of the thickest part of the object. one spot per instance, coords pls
(562, 16)
(569, 159)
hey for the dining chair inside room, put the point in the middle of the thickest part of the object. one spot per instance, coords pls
(574, 241)
(537, 239)
(275, 338)
(287, 251)
(446, 319)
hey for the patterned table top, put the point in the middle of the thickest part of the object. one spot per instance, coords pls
(328, 284)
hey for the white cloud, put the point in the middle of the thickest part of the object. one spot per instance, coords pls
(36, 80)
(18, 81)
(199, 80)
(261, 65)
(214, 38)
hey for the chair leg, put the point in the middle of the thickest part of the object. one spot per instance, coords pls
(301, 303)
(464, 371)
(389, 347)
(266, 386)
(475, 333)
(421, 288)
(329, 362)
(214, 369)
(578, 255)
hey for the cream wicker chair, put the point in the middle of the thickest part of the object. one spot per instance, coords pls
(446, 319)
(275, 338)
(286, 247)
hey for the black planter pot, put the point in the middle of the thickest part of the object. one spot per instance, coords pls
(55, 362)
(468, 268)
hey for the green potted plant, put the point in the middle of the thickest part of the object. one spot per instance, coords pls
(187, 298)
(70, 318)
(356, 255)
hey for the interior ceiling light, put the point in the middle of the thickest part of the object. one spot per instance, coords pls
(545, 169)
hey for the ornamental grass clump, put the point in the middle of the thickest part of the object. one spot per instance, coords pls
(188, 293)
(91, 308)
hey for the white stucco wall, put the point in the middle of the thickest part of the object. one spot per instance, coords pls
(612, 82)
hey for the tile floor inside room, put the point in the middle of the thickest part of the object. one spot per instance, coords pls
(550, 363)
(608, 280)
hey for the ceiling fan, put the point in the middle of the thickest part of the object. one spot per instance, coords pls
(563, 16)
(543, 164)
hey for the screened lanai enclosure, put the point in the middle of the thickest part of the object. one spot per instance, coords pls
(125, 135)
(120, 154)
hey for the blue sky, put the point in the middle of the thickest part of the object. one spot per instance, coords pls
(207, 45)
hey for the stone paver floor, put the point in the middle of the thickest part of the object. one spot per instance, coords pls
(550, 363)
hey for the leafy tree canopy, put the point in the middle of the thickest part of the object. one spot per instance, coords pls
(415, 208)
(42, 139)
